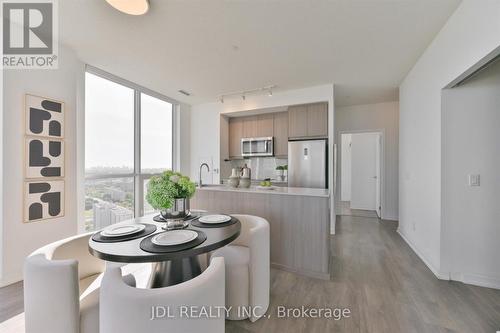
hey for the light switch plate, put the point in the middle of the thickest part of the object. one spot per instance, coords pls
(474, 180)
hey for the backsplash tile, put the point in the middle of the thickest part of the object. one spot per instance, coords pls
(262, 167)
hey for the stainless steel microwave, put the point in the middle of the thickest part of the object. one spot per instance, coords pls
(257, 146)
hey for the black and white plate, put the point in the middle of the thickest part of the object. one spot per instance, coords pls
(122, 230)
(214, 219)
(174, 237)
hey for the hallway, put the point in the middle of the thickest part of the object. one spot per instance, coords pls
(344, 208)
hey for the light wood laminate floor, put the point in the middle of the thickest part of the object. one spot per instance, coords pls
(378, 277)
(344, 208)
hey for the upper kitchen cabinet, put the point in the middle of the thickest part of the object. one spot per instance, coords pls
(281, 134)
(317, 120)
(235, 135)
(248, 127)
(258, 126)
(308, 121)
(297, 121)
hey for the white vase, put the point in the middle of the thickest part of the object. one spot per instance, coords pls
(245, 182)
(234, 181)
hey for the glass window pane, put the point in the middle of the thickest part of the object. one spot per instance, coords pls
(147, 209)
(156, 134)
(108, 201)
(109, 127)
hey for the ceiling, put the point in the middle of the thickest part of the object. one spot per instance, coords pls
(365, 47)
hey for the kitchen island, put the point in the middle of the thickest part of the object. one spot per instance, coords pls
(299, 219)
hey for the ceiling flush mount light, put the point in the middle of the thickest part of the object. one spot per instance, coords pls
(131, 7)
(244, 93)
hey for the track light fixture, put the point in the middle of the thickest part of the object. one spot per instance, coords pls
(245, 93)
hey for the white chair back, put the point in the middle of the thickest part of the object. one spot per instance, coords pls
(126, 309)
(255, 234)
(51, 285)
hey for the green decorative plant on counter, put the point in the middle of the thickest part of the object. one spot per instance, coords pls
(279, 172)
(170, 193)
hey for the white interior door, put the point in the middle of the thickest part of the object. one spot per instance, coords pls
(364, 174)
(378, 150)
(345, 168)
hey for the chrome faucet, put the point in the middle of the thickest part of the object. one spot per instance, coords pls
(208, 169)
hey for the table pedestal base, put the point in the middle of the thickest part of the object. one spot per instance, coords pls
(172, 272)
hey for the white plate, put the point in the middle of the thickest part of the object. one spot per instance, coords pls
(214, 219)
(268, 188)
(174, 237)
(122, 230)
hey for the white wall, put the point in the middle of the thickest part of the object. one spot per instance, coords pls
(382, 117)
(205, 123)
(471, 33)
(471, 119)
(184, 139)
(345, 167)
(20, 239)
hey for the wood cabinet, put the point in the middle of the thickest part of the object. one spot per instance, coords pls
(281, 134)
(317, 120)
(235, 135)
(258, 126)
(297, 121)
(248, 127)
(308, 121)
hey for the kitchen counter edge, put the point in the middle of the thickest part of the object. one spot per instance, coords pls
(299, 191)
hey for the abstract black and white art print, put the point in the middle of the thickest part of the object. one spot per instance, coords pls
(44, 200)
(44, 117)
(44, 157)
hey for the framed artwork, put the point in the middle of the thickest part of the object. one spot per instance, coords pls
(43, 200)
(44, 157)
(44, 117)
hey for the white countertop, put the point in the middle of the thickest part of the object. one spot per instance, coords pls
(300, 191)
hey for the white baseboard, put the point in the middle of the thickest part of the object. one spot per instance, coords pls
(477, 280)
(8, 282)
(390, 218)
(434, 270)
(473, 279)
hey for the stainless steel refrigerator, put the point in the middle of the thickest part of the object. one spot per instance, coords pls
(308, 163)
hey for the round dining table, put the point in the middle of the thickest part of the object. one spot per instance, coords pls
(168, 268)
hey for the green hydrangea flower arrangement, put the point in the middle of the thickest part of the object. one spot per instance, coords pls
(163, 189)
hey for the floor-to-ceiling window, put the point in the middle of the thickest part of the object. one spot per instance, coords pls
(128, 138)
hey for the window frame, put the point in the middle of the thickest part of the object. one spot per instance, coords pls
(138, 177)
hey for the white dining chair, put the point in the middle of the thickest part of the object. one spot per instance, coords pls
(61, 287)
(247, 261)
(125, 309)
